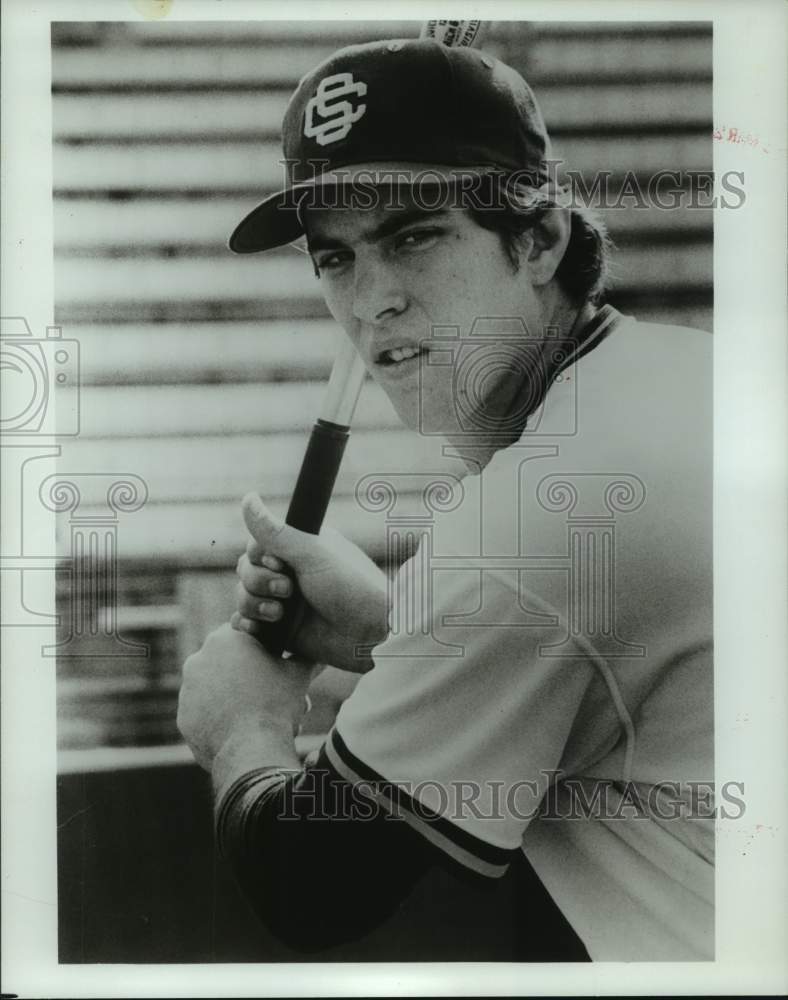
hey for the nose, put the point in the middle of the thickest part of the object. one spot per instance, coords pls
(378, 293)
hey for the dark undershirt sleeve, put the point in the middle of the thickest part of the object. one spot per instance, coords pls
(320, 862)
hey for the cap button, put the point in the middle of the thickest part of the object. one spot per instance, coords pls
(394, 46)
(487, 62)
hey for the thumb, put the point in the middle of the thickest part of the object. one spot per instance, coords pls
(273, 537)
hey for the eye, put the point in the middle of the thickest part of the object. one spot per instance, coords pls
(333, 260)
(418, 239)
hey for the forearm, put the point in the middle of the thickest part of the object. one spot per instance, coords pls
(263, 743)
(304, 847)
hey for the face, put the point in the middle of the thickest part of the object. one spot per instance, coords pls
(391, 275)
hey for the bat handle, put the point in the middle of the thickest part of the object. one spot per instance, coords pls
(307, 509)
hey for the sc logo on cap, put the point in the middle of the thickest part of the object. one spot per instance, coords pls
(338, 115)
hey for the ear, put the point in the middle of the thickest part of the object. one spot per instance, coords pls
(549, 239)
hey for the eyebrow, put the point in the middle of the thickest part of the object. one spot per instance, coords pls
(388, 227)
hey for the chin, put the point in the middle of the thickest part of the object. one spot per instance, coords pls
(410, 418)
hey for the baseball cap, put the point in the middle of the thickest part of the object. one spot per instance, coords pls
(399, 111)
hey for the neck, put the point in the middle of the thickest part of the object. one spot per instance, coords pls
(562, 315)
(518, 397)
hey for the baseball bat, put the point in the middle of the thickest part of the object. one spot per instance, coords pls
(330, 433)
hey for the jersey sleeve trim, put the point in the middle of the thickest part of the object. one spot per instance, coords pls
(463, 847)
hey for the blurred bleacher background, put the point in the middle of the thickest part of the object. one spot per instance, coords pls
(201, 371)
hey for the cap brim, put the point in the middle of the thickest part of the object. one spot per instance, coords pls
(277, 220)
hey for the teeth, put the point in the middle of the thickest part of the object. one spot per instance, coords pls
(401, 353)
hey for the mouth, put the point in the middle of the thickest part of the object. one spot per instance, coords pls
(396, 358)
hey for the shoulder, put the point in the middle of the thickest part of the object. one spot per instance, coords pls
(633, 337)
(656, 373)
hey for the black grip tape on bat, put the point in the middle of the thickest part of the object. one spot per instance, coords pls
(307, 509)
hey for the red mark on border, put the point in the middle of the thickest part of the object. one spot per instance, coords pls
(737, 137)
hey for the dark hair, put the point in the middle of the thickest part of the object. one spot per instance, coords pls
(583, 271)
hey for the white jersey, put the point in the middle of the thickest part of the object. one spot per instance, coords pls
(547, 683)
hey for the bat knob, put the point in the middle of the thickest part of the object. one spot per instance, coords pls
(454, 34)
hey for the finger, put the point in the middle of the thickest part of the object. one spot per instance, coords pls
(275, 538)
(262, 582)
(247, 626)
(264, 527)
(256, 554)
(251, 606)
